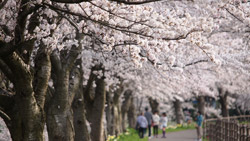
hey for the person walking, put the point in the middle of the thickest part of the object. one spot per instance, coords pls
(143, 124)
(148, 116)
(199, 126)
(156, 121)
(164, 123)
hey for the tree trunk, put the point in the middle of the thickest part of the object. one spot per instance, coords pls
(59, 114)
(224, 105)
(26, 110)
(132, 114)
(97, 111)
(178, 111)
(80, 125)
(201, 105)
(125, 108)
(117, 113)
(223, 101)
(109, 116)
(153, 104)
(113, 114)
(66, 81)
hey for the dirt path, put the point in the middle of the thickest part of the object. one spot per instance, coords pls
(187, 135)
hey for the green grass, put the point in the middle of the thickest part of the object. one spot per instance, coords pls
(132, 134)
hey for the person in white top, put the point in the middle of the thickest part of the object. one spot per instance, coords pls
(156, 121)
(164, 123)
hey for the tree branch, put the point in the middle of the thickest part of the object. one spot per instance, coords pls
(55, 61)
(70, 1)
(134, 2)
(196, 62)
(74, 83)
(6, 102)
(42, 75)
(6, 70)
(17, 66)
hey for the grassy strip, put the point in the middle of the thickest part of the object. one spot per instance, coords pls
(132, 134)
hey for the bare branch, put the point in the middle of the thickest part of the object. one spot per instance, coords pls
(234, 16)
(70, 1)
(127, 2)
(196, 62)
(183, 36)
(6, 70)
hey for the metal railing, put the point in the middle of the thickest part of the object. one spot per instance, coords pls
(235, 128)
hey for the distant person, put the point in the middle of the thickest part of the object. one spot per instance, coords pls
(156, 121)
(164, 123)
(148, 116)
(199, 126)
(142, 124)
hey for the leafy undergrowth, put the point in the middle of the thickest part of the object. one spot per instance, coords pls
(132, 134)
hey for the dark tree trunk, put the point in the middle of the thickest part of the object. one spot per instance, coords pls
(59, 113)
(125, 108)
(96, 120)
(223, 101)
(26, 109)
(95, 104)
(178, 111)
(153, 104)
(113, 113)
(201, 105)
(59, 116)
(224, 105)
(80, 125)
(117, 112)
(132, 114)
(109, 116)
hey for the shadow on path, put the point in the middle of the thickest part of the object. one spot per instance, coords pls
(187, 135)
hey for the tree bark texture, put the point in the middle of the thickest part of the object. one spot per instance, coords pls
(26, 110)
(178, 112)
(95, 99)
(96, 120)
(80, 125)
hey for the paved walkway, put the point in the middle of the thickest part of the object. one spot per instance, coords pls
(187, 135)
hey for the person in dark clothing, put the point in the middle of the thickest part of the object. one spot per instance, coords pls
(148, 116)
